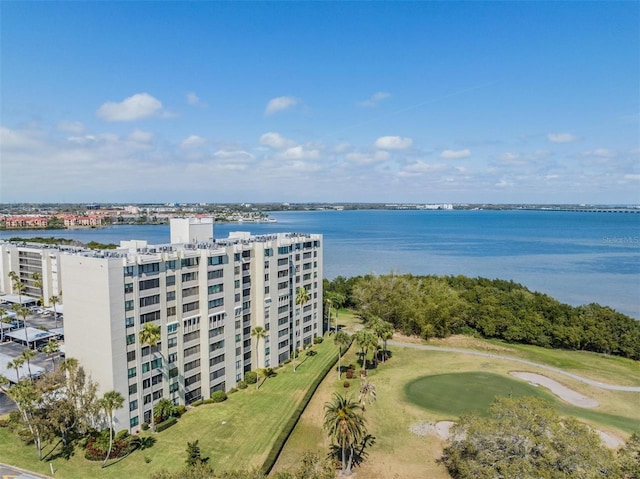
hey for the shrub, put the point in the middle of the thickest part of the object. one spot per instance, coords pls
(218, 396)
(350, 373)
(166, 424)
(145, 426)
(250, 377)
(346, 383)
(318, 339)
(197, 403)
(122, 434)
(233, 390)
(180, 410)
(241, 385)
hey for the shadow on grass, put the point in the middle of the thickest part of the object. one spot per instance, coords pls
(360, 453)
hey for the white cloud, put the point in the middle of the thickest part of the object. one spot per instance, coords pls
(375, 99)
(601, 153)
(74, 127)
(136, 107)
(421, 166)
(300, 153)
(367, 158)
(342, 147)
(502, 184)
(276, 141)
(280, 103)
(193, 141)
(561, 137)
(141, 136)
(633, 177)
(455, 154)
(508, 156)
(393, 143)
(194, 100)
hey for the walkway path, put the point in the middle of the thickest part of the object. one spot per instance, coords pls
(518, 360)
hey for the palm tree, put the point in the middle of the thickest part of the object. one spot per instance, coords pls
(18, 285)
(4, 319)
(302, 297)
(385, 336)
(365, 340)
(111, 401)
(259, 333)
(384, 331)
(367, 394)
(263, 373)
(345, 426)
(151, 335)
(55, 300)
(28, 355)
(16, 364)
(51, 348)
(24, 312)
(37, 282)
(341, 339)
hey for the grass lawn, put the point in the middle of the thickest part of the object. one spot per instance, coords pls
(235, 434)
(398, 453)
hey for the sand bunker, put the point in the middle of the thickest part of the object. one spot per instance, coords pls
(440, 429)
(558, 389)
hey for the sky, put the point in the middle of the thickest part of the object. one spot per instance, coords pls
(413, 102)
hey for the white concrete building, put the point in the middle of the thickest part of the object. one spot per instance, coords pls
(206, 296)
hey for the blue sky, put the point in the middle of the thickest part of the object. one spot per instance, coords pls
(429, 102)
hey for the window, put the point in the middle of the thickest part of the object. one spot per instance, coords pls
(283, 250)
(171, 311)
(192, 380)
(133, 422)
(133, 388)
(216, 331)
(156, 363)
(147, 317)
(128, 288)
(216, 360)
(283, 273)
(148, 268)
(189, 276)
(133, 405)
(194, 290)
(149, 284)
(172, 342)
(186, 262)
(214, 260)
(157, 379)
(131, 356)
(170, 264)
(283, 261)
(191, 336)
(214, 303)
(191, 365)
(217, 345)
(283, 285)
(215, 288)
(171, 280)
(128, 305)
(236, 257)
(131, 373)
(172, 357)
(192, 350)
(174, 387)
(149, 300)
(283, 344)
(268, 252)
(283, 309)
(131, 338)
(266, 290)
(217, 374)
(190, 306)
(218, 273)
(129, 322)
(128, 270)
(145, 367)
(172, 327)
(171, 295)
(173, 372)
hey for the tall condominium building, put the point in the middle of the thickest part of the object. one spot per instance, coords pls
(25, 259)
(206, 296)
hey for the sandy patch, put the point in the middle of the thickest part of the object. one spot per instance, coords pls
(558, 389)
(441, 429)
(611, 441)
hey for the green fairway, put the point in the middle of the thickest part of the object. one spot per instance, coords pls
(458, 393)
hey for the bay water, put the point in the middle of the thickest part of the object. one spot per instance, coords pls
(576, 257)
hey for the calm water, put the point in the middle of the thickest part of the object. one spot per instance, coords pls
(576, 257)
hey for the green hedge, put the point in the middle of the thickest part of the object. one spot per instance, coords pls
(166, 424)
(293, 420)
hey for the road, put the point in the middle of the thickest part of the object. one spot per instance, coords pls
(598, 384)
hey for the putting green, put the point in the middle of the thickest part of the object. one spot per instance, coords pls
(460, 393)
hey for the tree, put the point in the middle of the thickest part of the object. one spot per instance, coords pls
(365, 340)
(55, 300)
(164, 409)
(259, 333)
(37, 282)
(28, 355)
(345, 427)
(629, 457)
(16, 364)
(302, 297)
(341, 339)
(51, 348)
(111, 401)
(18, 284)
(151, 335)
(23, 312)
(4, 319)
(367, 394)
(525, 437)
(194, 456)
(28, 401)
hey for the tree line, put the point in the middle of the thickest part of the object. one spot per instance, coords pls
(439, 306)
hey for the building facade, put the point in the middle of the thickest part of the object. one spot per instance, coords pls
(206, 296)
